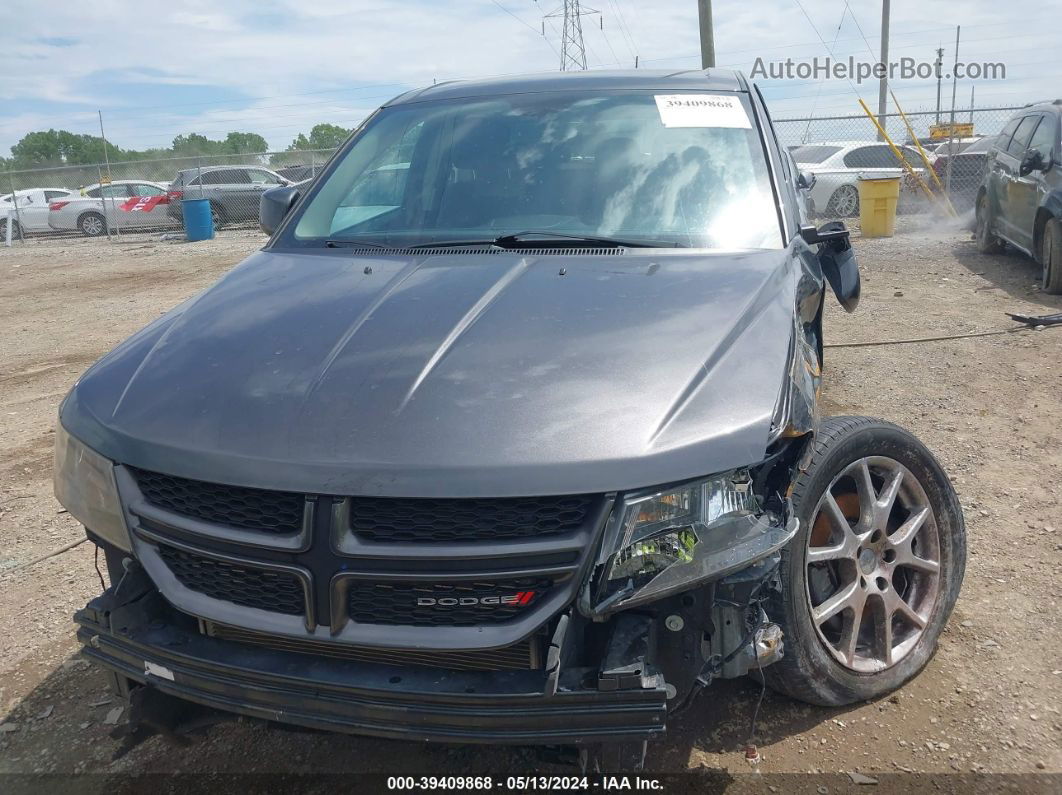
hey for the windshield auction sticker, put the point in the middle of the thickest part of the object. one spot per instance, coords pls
(702, 110)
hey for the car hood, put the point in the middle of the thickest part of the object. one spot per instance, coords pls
(454, 374)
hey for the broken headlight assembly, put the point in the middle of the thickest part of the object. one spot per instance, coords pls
(85, 486)
(669, 540)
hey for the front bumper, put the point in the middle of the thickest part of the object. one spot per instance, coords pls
(142, 642)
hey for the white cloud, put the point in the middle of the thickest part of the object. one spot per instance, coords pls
(300, 56)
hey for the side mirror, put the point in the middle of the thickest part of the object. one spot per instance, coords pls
(1032, 161)
(837, 260)
(274, 205)
(805, 180)
(827, 233)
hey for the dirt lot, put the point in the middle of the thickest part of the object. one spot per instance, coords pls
(990, 408)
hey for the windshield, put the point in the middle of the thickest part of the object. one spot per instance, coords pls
(567, 163)
(814, 154)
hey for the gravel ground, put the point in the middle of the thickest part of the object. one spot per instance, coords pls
(989, 407)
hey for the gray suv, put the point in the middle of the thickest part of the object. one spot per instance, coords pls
(509, 435)
(234, 191)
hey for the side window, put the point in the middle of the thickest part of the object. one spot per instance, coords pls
(1006, 133)
(1044, 136)
(912, 156)
(143, 189)
(262, 177)
(52, 195)
(226, 177)
(194, 181)
(1021, 136)
(94, 193)
(114, 191)
(871, 157)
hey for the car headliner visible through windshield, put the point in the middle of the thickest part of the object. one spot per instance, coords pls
(600, 164)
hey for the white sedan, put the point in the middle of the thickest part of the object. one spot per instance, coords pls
(838, 166)
(100, 207)
(28, 210)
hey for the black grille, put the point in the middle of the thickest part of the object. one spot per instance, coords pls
(428, 520)
(524, 655)
(275, 591)
(234, 506)
(396, 603)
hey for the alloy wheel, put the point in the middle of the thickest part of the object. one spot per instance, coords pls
(873, 564)
(92, 225)
(846, 201)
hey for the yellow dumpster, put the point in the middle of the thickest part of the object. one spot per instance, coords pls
(877, 206)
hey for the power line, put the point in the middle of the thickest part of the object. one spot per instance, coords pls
(525, 24)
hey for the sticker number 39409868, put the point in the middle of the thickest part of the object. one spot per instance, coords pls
(702, 110)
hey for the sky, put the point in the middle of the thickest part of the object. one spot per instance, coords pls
(277, 67)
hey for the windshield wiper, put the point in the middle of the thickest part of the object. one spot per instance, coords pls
(452, 244)
(517, 240)
(356, 244)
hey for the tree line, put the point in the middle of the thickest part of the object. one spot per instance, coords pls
(46, 148)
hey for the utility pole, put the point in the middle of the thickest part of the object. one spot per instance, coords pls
(940, 66)
(573, 51)
(103, 191)
(951, 130)
(883, 85)
(704, 15)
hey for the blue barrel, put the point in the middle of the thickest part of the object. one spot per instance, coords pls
(198, 225)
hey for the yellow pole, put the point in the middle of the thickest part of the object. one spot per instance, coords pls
(925, 157)
(899, 155)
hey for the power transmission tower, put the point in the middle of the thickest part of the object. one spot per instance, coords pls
(573, 51)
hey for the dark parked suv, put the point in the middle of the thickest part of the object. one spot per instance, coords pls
(1020, 198)
(509, 435)
(234, 191)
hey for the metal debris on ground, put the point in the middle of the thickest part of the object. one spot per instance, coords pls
(1037, 320)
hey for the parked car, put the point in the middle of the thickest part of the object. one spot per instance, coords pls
(509, 434)
(99, 207)
(1020, 199)
(954, 146)
(29, 210)
(967, 171)
(300, 173)
(838, 166)
(234, 191)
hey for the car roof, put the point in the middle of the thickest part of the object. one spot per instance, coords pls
(124, 182)
(595, 80)
(847, 144)
(204, 169)
(1048, 105)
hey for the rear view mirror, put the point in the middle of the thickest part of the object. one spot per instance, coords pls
(837, 260)
(274, 205)
(805, 180)
(1033, 161)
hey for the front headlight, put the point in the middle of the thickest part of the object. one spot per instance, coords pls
(667, 541)
(660, 530)
(85, 486)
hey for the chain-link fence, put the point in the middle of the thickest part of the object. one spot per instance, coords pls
(836, 148)
(128, 200)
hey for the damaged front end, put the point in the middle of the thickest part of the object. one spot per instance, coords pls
(694, 564)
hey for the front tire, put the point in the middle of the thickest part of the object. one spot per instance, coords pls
(92, 224)
(872, 575)
(1051, 257)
